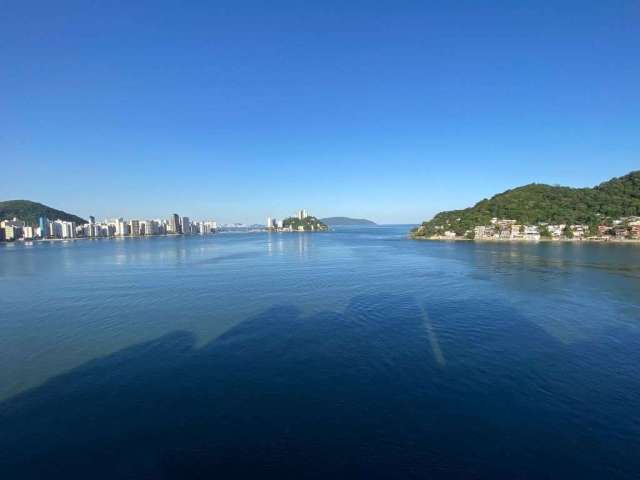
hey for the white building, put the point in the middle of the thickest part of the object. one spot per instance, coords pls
(580, 231)
(531, 232)
(121, 228)
(62, 229)
(556, 230)
(211, 226)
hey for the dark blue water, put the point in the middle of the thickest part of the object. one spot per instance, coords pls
(350, 354)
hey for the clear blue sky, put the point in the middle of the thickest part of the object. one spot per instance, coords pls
(386, 110)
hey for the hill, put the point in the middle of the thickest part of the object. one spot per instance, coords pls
(307, 223)
(340, 221)
(31, 211)
(538, 203)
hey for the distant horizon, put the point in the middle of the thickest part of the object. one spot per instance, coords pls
(293, 214)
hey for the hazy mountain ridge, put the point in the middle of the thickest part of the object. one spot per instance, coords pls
(344, 221)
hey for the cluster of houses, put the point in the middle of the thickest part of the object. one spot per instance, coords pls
(16, 229)
(504, 229)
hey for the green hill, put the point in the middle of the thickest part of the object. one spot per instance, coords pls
(339, 221)
(306, 223)
(536, 203)
(31, 211)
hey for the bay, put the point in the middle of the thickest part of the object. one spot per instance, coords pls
(355, 353)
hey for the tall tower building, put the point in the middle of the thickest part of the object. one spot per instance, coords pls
(43, 223)
(174, 224)
(134, 227)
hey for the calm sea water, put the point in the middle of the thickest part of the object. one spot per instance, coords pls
(350, 354)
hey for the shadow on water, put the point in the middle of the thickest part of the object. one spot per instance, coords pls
(381, 390)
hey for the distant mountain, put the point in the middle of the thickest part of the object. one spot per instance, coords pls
(340, 221)
(31, 211)
(536, 203)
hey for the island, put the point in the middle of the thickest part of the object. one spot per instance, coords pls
(346, 221)
(305, 224)
(609, 211)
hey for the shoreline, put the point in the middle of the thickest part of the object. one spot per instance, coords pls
(145, 237)
(603, 241)
(114, 237)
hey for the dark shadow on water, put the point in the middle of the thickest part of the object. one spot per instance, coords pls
(357, 394)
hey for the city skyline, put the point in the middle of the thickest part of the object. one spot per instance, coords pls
(246, 110)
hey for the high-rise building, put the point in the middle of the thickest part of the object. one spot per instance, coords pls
(186, 225)
(149, 227)
(269, 222)
(43, 223)
(122, 228)
(62, 229)
(210, 226)
(174, 224)
(134, 227)
(92, 219)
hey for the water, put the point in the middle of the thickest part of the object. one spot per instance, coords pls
(350, 354)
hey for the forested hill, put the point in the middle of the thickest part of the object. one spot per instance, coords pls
(338, 221)
(308, 223)
(535, 203)
(31, 211)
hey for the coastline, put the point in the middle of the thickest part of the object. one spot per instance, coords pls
(114, 237)
(601, 241)
(118, 237)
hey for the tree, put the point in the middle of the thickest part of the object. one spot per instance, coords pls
(544, 232)
(567, 232)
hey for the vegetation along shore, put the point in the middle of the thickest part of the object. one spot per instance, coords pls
(609, 212)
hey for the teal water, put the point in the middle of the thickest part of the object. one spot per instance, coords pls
(353, 354)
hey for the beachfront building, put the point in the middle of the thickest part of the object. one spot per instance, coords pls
(134, 227)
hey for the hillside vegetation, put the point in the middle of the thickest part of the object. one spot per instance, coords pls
(31, 211)
(539, 203)
(306, 223)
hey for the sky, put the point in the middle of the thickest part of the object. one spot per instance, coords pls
(237, 110)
